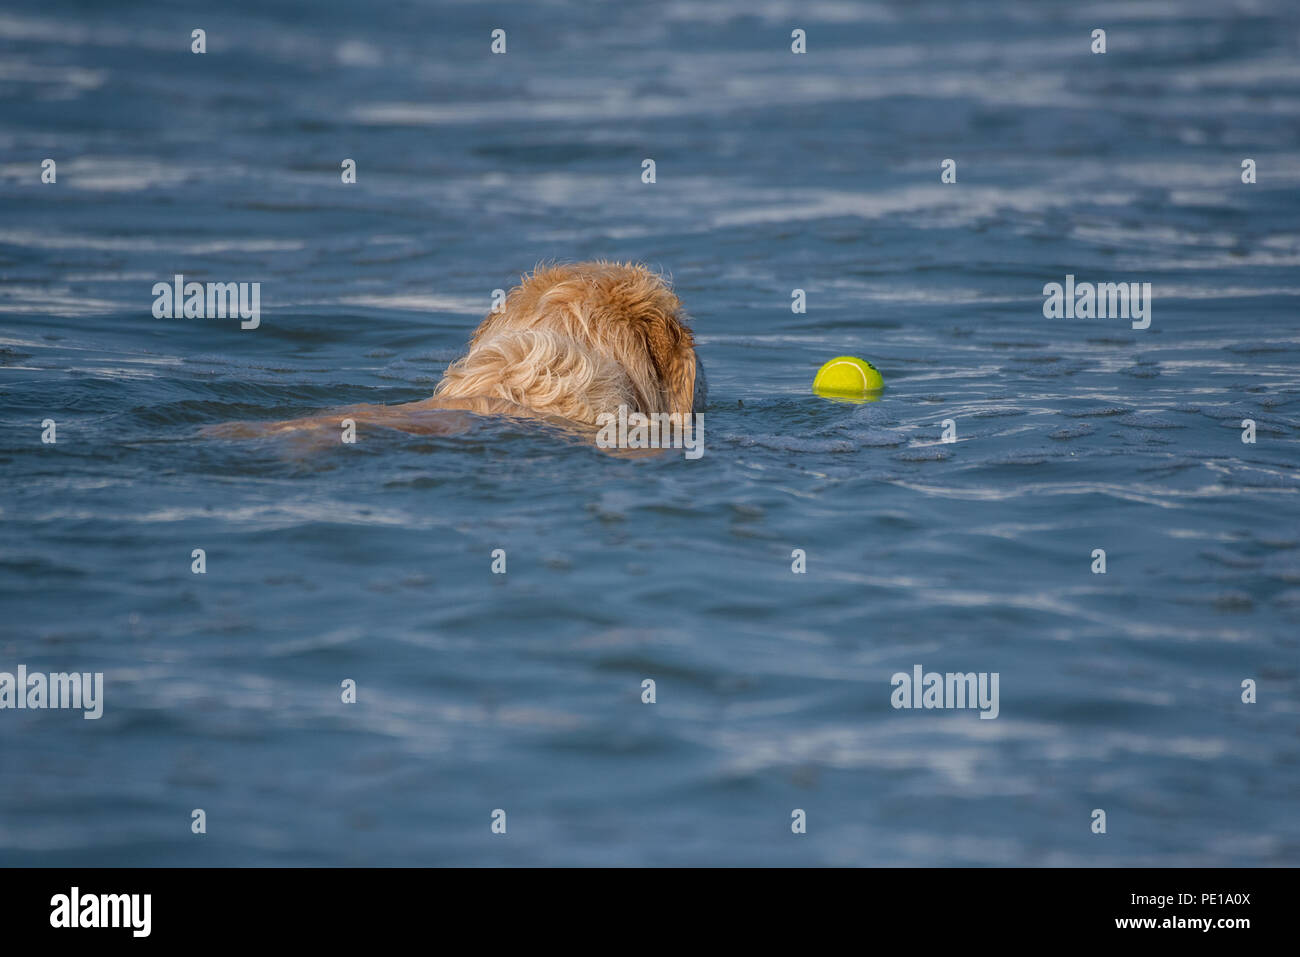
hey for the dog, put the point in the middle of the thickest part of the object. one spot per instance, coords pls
(569, 344)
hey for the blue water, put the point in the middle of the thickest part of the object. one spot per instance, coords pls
(522, 692)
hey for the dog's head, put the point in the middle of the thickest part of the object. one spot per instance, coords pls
(580, 340)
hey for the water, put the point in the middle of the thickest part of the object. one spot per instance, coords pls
(523, 692)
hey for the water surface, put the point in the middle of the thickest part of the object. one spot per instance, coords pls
(523, 692)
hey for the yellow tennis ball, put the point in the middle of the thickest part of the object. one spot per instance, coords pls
(847, 377)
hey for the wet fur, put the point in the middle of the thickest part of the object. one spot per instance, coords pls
(571, 342)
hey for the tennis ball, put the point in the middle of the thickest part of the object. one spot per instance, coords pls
(847, 377)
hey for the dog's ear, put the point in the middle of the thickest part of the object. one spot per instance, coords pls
(672, 350)
(668, 339)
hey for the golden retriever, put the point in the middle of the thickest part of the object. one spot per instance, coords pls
(570, 343)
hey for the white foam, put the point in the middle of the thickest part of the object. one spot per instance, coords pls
(417, 302)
